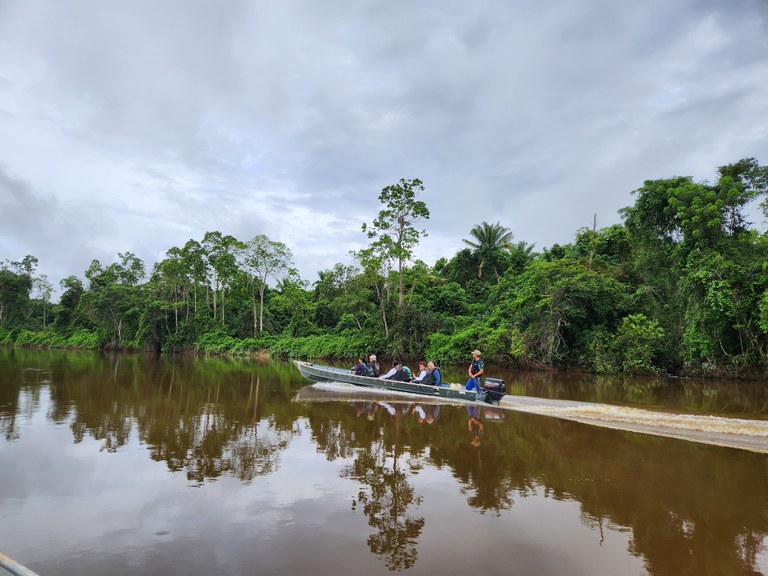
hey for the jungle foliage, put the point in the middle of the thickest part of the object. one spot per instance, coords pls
(680, 286)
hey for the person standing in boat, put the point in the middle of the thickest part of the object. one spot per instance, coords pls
(475, 371)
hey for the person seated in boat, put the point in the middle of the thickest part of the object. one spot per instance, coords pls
(422, 371)
(433, 376)
(391, 372)
(361, 369)
(475, 372)
(402, 373)
(374, 365)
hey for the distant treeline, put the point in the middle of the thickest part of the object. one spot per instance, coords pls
(680, 286)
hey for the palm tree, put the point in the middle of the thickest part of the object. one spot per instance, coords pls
(492, 241)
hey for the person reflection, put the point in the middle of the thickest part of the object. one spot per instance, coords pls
(430, 415)
(395, 409)
(474, 425)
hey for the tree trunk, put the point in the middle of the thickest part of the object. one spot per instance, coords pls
(255, 314)
(383, 310)
(261, 308)
(400, 299)
(592, 242)
(215, 289)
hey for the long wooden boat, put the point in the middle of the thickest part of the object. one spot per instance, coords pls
(321, 373)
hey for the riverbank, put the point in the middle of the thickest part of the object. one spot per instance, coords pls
(327, 347)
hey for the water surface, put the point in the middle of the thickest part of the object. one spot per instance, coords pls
(143, 465)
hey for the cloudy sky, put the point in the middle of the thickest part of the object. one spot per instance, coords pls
(138, 125)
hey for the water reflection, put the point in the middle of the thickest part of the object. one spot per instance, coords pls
(686, 508)
(204, 422)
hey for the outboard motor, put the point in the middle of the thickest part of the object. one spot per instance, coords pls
(494, 390)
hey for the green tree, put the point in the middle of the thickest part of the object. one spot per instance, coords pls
(114, 298)
(43, 289)
(394, 229)
(492, 245)
(220, 256)
(68, 313)
(264, 259)
(700, 267)
(14, 297)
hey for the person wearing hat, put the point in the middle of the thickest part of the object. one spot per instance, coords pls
(475, 371)
(375, 365)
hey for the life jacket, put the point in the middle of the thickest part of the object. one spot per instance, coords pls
(376, 369)
(432, 378)
(401, 375)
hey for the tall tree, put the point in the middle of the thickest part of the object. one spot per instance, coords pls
(114, 298)
(43, 289)
(220, 253)
(68, 314)
(395, 227)
(375, 274)
(264, 259)
(492, 245)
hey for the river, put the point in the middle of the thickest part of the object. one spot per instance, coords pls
(134, 464)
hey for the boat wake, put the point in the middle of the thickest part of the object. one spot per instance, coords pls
(717, 430)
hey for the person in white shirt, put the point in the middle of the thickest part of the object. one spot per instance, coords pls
(422, 371)
(392, 371)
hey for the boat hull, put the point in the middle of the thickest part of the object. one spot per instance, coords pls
(321, 373)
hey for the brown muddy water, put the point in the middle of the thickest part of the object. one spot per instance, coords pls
(131, 464)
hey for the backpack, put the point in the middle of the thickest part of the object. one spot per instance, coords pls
(368, 369)
(408, 371)
(375, 367)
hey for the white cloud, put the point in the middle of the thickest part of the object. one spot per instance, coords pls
(139, 126)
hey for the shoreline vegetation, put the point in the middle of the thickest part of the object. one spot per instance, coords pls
(680, 288)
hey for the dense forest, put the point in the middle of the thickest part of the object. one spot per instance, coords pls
(679, 287)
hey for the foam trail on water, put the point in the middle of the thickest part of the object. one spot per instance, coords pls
(619, 414)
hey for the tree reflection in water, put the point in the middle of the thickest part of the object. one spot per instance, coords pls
(385, 495)
(204, 422)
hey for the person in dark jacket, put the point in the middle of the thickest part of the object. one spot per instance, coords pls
(375, 365)
(402, 373)
(433, 377)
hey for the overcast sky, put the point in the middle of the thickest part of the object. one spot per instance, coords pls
(138, 125)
